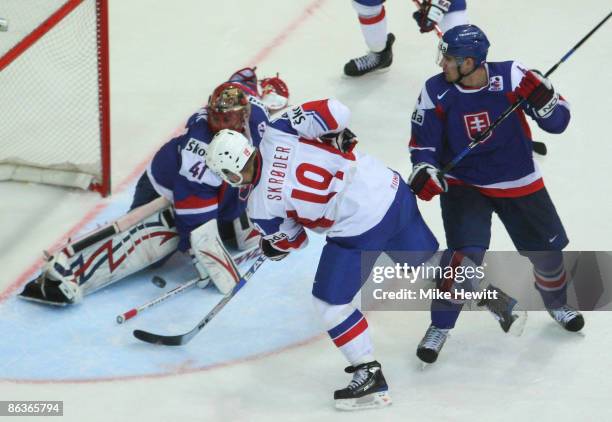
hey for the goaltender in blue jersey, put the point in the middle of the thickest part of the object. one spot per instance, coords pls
(178, 204)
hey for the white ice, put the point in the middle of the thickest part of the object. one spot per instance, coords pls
(165, 60)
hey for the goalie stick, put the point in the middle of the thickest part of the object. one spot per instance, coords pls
(178, 340)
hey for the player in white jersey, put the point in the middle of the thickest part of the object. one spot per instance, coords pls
(300, 180)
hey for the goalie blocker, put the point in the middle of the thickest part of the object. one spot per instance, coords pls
(142, 237)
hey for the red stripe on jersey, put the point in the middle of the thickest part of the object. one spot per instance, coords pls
(322, 109)
(287, 244)
(192, 202)
(355, 331)
(311, 224)
(505, 192)
(371, 20)
(512, 97)
(440, 112)
(413, 142)
(311, 197)
(221, 192)
(328, 148)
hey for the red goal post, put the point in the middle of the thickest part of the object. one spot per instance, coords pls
(54, 93)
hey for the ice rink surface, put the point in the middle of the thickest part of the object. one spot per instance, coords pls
(263, 359)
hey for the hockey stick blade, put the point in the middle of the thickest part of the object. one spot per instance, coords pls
(179, 340)
(164, 340)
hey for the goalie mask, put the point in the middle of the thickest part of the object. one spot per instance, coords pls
(228, 154)
(228, 108)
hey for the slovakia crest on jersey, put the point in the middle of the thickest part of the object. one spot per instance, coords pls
(477, 123)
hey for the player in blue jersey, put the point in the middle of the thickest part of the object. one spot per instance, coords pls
(499, 175)
(178, 204)
(373, 22)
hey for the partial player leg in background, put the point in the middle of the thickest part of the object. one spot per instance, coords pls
(373, 22)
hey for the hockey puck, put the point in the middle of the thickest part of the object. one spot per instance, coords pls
(3, 25)
(159, 282)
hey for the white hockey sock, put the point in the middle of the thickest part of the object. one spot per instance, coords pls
(373, 22)
(348, 329)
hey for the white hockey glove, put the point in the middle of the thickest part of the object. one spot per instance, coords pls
(430, 13)
(211, 259)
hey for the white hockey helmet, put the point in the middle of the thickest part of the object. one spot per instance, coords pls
(227, 155)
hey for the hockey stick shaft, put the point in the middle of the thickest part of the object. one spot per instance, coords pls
(178, 340)
(246, 255)
(135, 311)
(517, 103)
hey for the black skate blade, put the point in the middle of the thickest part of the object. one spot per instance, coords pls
(41, 301)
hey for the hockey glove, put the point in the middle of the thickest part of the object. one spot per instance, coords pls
(275, 93)
(426, 181)
(430, 14)
(247, 77)
(539, 93)
(344, 141)
(268, 249)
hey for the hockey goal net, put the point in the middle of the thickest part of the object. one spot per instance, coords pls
(54, 93)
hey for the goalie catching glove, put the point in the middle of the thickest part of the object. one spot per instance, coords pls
(426, 181)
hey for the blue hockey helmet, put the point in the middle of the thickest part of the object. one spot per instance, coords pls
(465, 41)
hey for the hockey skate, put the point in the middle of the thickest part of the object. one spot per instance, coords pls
(55, 285)
(371, 61)
(431, 344)
(49, 292)
(502, 308)
(368, 388)
(567, 317)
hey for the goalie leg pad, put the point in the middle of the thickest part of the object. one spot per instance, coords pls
(212, 259)
(103, 257)
(247, 236)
